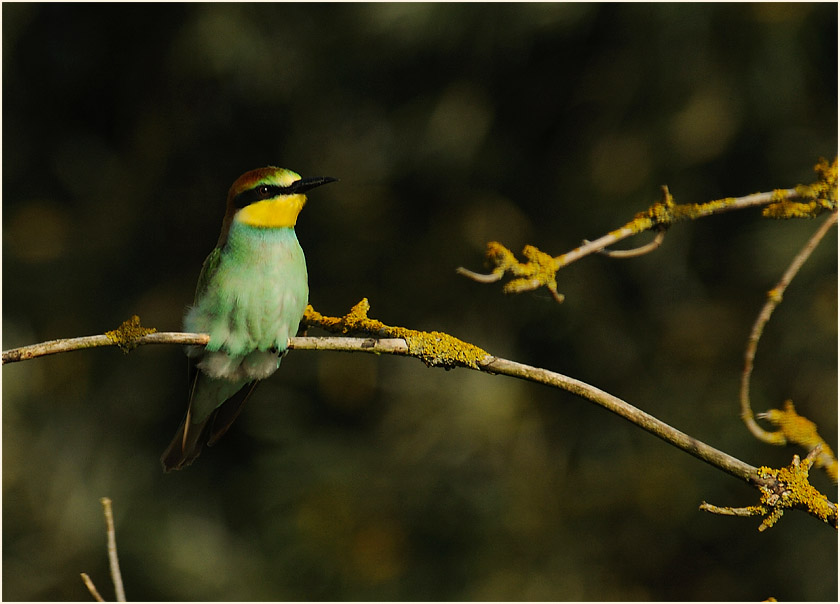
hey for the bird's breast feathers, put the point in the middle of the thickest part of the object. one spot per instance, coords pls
(256, 296)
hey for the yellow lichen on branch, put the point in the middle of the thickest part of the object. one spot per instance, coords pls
(796, 429)
(503, 258)
(786, 209)
(126, 335)
(434, 348)
(664, 213)
(783, 489)
(540, 268)
(789, 488)
(821, 195)
(660, 212)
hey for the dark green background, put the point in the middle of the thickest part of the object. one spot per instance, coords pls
(449, 125)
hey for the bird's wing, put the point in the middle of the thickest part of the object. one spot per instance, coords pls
(208, 269)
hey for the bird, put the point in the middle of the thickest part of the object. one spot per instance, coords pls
(251, 295)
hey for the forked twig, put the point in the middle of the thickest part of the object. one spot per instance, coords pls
(113, 560)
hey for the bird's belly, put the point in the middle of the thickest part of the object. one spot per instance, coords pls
(250, 310)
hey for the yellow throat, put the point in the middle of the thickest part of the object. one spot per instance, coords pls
(280, 211)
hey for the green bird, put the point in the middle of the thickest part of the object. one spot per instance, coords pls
(250, 298)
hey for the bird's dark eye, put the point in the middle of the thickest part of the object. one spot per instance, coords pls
(257, 193)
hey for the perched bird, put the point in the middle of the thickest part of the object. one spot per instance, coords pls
(251, 295)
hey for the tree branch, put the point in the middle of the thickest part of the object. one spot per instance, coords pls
(540, 268)
(669, 434)
(440, 349)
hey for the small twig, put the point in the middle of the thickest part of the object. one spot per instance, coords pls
(113, 560)
(479, 277)
(636, 251)
(753, 510)
(92, 588)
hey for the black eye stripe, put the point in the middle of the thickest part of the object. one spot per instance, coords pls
(266, 191)
(259, 193)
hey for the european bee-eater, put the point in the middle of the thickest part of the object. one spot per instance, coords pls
(251, 295)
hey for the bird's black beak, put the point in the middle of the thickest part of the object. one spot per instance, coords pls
(305, 184)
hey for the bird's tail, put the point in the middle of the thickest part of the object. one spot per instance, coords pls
(184, 448)
(182, 451)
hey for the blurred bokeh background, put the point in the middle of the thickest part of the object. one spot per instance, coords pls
(449, 125)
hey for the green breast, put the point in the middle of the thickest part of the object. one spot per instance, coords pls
(253, 294)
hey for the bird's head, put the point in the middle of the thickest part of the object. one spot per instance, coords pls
(268, 198)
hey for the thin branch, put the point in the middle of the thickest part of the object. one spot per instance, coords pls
(25, 353)
(113, 560)
(660, 214)
(540, 269)
(753, 510)
(774, 298)
(690, 445)
(480, 277)
(92, 588)
(33, 351)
